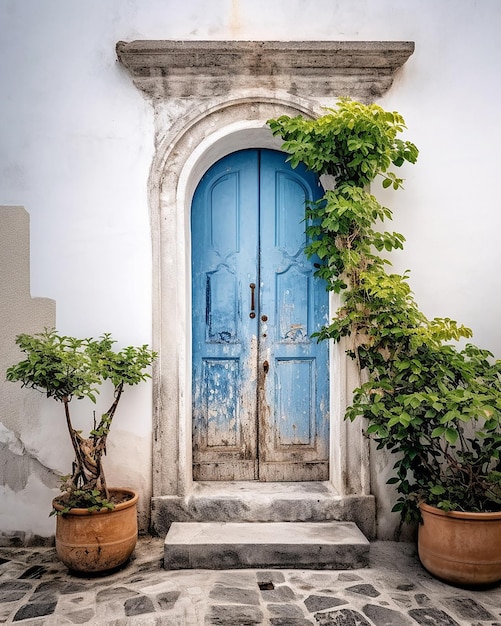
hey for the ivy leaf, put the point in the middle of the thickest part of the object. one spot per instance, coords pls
(438, 432)
(437, 490)
(451, 435)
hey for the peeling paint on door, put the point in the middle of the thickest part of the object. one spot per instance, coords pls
(260, 382)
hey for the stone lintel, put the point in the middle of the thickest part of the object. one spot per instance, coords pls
(205, 69)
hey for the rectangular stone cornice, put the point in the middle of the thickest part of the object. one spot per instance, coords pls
(361, 69)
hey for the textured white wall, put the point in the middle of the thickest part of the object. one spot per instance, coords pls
(77, 144)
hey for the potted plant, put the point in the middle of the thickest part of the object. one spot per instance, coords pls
(432, 404)
(96, 525)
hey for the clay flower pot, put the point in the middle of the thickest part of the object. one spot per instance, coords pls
(98, 541)
(461, 548)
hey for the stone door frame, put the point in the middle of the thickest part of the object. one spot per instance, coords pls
(211, 99)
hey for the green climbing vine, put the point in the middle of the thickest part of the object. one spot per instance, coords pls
(435, 405)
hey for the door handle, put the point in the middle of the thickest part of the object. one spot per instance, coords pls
(252, 313)
(266, 367)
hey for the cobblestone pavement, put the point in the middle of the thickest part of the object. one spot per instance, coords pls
(37, 590)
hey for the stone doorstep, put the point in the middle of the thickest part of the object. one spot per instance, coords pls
(234, 545)
(235, 501)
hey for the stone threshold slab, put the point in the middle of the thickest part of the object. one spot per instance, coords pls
(233, 545)
(252, 501)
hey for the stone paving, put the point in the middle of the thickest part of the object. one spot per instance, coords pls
(37, 590)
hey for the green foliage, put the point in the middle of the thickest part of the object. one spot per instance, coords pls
(67, 367)
(354, 143)
(64, 368)
(56, 365)
(436, 407)
(90, 499)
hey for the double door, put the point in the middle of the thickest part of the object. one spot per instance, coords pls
(260, 382)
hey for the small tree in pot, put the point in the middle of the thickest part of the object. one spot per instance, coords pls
(434, 405)
(65, 368)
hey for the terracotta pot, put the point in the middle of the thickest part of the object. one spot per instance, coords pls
(99, 541)
(461, 548)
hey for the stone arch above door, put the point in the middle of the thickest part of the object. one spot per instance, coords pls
(210, 99)
(179, 164)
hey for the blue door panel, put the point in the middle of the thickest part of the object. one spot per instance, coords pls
(260, 383)
(294, 394)
(293, 293)
(221, 383)
(225, 205)
(291, 195)
(224, 218)
(222, 306)
(295, 410)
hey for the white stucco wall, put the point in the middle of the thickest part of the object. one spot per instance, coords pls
(76, 145)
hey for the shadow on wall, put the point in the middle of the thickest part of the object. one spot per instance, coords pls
(26, 485)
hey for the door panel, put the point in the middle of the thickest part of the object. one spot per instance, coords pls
(293, 393)
(260, 383)
(224, 252)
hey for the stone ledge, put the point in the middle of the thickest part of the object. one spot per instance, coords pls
(170, 69)
(263, 502)
(223, 545)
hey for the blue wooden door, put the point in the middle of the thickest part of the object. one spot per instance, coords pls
(260, 383)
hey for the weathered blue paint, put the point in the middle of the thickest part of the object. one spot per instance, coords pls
(260, 383)
(294, 437)
(225, 236)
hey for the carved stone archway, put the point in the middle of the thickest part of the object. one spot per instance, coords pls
(211, 99)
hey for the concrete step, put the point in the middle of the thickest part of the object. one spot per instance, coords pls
(264, 502)
(233, 545)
